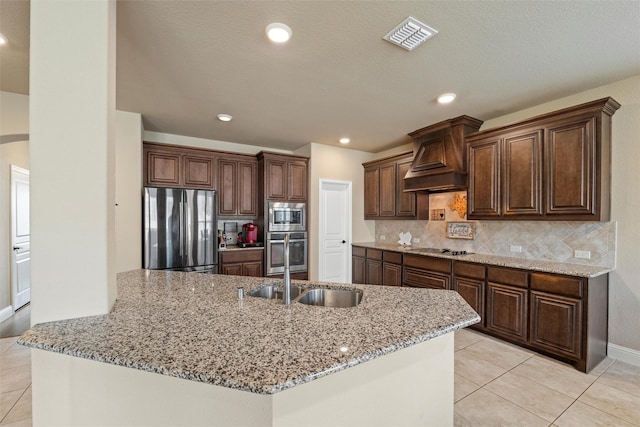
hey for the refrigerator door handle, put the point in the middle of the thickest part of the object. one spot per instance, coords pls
(181, 228)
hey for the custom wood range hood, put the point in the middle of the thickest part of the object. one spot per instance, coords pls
(439, 156)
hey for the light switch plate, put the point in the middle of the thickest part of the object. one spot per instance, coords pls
(515, 248)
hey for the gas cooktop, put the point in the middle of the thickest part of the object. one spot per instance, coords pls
(439, 251)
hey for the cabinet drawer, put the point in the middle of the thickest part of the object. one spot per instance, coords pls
(507, 276)
(417, 278)
(428, 263)
(394, 257)
(240, 256)
(563, 285)
(374, 254)
(467, 269)
(358, 251)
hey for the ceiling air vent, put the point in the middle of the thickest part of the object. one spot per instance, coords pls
(410, 34)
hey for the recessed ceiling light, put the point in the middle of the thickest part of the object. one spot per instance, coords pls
(446, 98)
(3, 39)
(224, 117)
(344, 140)
(278, 32)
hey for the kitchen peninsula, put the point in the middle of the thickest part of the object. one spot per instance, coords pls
(251, 361)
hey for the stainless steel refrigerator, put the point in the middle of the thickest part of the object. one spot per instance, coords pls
(180, 230)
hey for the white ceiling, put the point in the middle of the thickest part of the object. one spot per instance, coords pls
(180, 63)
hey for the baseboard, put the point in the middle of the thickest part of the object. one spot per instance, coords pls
(623, 354)
(6, 312)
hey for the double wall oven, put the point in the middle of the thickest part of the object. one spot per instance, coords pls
(286, 219)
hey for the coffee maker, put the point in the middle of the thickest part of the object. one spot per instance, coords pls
(249, 233)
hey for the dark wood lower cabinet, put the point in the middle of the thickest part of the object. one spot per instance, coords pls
(472, 290)
(556, 323)
(391, 274)
(507, 311)
(564, 317)
(241, 263)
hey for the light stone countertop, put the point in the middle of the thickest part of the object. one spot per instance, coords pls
(193, 326)
(512, 262)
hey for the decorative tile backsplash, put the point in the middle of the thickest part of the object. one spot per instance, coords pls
(542, 240)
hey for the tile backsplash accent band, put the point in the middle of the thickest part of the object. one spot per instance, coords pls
(540, 240)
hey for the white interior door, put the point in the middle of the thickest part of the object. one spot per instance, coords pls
(20, 238)
(335, 231)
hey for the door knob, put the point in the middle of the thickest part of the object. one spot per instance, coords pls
(15, 248)
(344, 241)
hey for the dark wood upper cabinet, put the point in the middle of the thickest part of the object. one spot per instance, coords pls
(285, 177)
(180, 167)
(384, 195)
(238, 186)
(551, 167)
(572, 181)
(484, 178)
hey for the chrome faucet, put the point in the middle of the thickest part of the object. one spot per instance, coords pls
(287, 272)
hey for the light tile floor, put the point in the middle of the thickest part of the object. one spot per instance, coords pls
(499, 384)
(496, 384)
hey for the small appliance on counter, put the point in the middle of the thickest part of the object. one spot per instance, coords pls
(249, 233)
(249, 236)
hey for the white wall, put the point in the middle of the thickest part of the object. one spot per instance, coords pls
(338, 163)
(72, 156)
(128, 191)
(624, 282)
(14, 120)
(14, 113)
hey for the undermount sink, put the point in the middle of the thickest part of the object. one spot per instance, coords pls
(273, 291)
(332, 297)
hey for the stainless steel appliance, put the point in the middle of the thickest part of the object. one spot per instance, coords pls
(284, 216)
(276, 252)
(179, 230)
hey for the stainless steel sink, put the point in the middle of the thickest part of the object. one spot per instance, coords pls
(273, 291)
(332, 297)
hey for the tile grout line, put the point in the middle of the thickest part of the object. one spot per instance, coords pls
(14, 404)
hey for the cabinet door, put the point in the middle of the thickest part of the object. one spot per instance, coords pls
(297, 185)
(247, 189)
(163, 169)
(358, 270)
(507, 311)
(522, 174)
(405, 202)
(570, 156)
(231, 269)
(276, 176)
(473, 293)
(556, 324)
(388, 190)
(371, 193)
(484, 179)
(252, 269)
(391, 274)
(227, 192)
(374, 272)
(198, 172)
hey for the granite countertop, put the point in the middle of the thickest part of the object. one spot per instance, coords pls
(502, 261)
(193, 326)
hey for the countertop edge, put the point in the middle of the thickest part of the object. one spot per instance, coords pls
(544, 266)
(93, 356)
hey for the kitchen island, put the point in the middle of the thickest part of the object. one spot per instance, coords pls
(250, 361)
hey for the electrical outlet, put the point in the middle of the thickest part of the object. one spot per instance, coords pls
(582, 254)
(383, 237)
(416, 240)
(515, 248)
